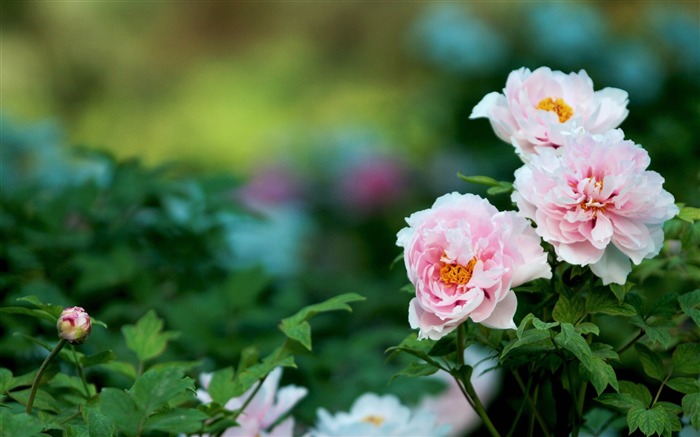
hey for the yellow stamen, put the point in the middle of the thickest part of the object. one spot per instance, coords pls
(457, 274)
(557, 106)
(374, 420)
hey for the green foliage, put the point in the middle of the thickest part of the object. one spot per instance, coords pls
(146, 338)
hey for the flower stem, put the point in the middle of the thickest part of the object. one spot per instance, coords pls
(533, 403)
(37, 379)
(479, 408)
(81, 374)
(631, 343)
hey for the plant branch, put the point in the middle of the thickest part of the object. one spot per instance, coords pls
(37, 379)
(631, 342)
(533, 405)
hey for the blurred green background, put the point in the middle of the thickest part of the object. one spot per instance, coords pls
(297, 137)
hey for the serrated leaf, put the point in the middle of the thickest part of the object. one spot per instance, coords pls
(157, 386)
(572, 341)
(620, 401)
(297, 328)
(660, 333)
(568, 310)
(600, 373)
(146, 338)
(636, 391)
(649, 421)
(651, 361)
(120, 407)
(221, 386)
(539, 324)
(684, 385)
(690, 305)
(691, 408)
(176, 421)
(664, 306)
(686, 359)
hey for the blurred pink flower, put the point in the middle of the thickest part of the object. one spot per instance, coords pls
(463, 256)
(537, 109)
(268, 405)
(372, 183)
(74, 325)
(596, 203)
(272, 187)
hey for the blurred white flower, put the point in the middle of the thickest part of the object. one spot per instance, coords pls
(374, 415)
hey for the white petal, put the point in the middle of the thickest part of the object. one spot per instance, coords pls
(614, 266)
(502, 315)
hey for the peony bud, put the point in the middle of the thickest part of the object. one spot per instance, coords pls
(74, 325)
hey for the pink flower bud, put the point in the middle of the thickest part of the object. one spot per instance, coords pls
(74, 325)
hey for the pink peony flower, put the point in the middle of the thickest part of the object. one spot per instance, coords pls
(268, 405)
(537, 109)
(74, 325)
(596, 203)
(463, 256)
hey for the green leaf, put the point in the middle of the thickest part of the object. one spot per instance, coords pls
(480, 180)
(649, 421)
(120, 407)
(531, 341)
(587, 328)
(653, 366)
(5, 380)
(691, 408)
(636, 391)
(98, 358)
(686, 359)
(176, 421)
(600, 373)
(660, 332)
(501, 188)
(157, 386)
(620, 401)
(621, 290)
(221, 387)
(542, 326)
(297, 328)
(146, 338)
(599, 300)
(98, 423)
(689, 214)
(690, 305)
(19, 424)
(684, 385)
(445, 346)
(415, 369)
(568, 310)
(42, 400)
(572, 341)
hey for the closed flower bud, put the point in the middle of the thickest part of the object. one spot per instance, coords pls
(74, 325)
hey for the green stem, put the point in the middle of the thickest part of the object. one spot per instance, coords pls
(250, 398)
(658, 392)
(479, 408)
(40, 373)
(631, 342)
(81, 374)
(533, 404)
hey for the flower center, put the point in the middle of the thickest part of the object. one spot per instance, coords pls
(457, 274)
(374, 420)
(557, 106)
(591, 203)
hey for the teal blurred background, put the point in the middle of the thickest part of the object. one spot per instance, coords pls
(295, 138)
